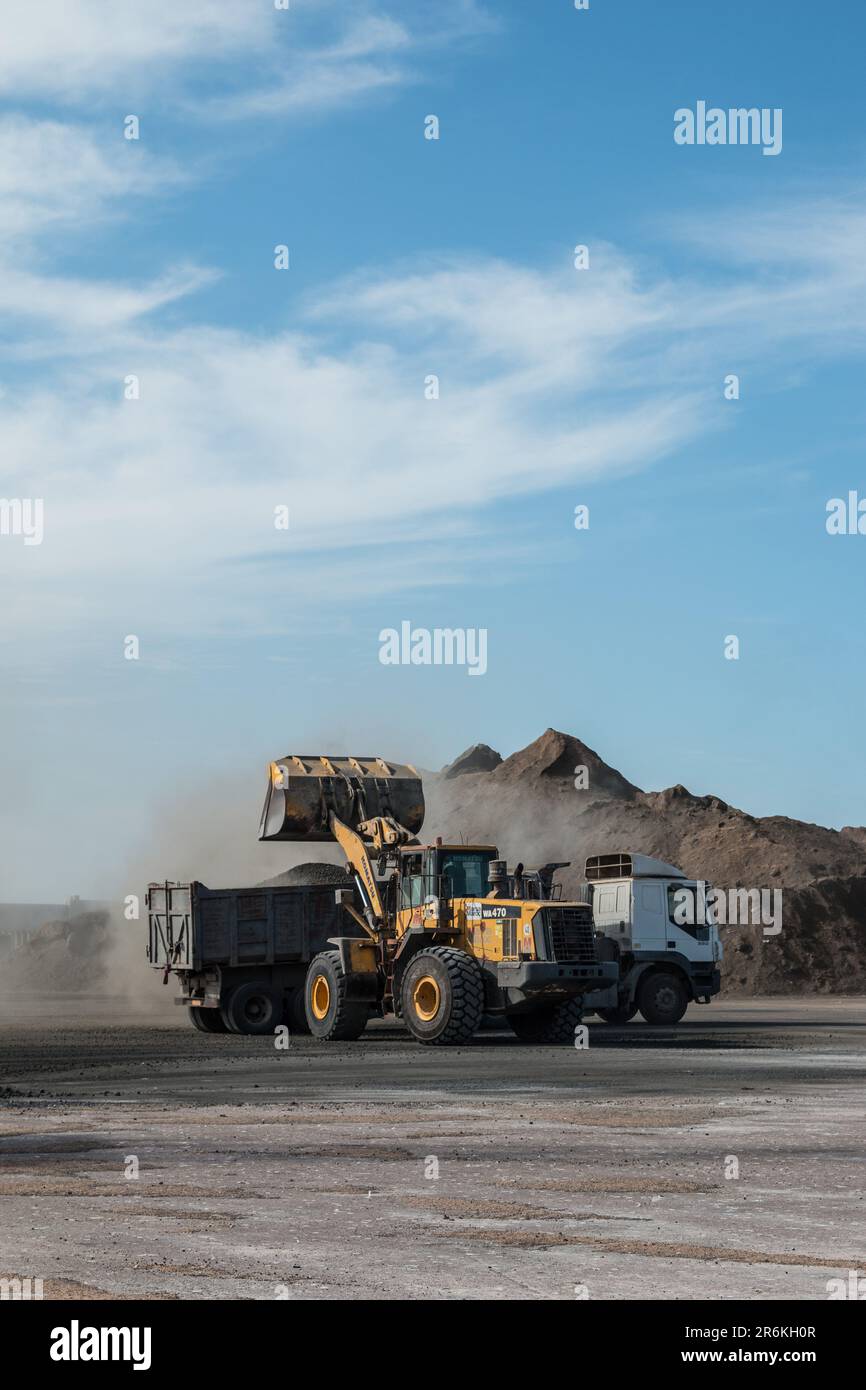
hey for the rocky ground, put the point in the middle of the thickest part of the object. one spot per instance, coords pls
(718, 1160)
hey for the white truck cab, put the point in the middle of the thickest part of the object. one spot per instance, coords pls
(651, 919)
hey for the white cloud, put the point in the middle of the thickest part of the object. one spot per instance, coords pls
(69, 49)
(57, 182)
(164, 506)
(234, 58)
(229, 426)
(56, 174)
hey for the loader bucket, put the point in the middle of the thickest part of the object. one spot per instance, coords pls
(304, 788)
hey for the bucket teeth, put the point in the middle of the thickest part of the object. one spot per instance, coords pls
(304, 788)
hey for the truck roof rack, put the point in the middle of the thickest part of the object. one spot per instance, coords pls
(601, 866)
(627, 865)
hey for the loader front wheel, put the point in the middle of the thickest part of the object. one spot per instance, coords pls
(442, 996)
(330, 1015)
(549, 1025)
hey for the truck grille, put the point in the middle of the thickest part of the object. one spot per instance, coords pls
(570, 934)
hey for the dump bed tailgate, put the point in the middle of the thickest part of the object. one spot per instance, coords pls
(191, 926)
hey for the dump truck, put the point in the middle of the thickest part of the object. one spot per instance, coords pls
(241, 955)
(442, 933)
(665, 961)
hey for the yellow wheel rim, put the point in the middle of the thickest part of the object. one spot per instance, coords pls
(425, 998)
(320, 996)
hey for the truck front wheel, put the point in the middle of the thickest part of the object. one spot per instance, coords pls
(662, 997)
(549, 1025)
(330, 1015)
(442, 996)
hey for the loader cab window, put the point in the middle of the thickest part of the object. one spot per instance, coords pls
(412, 881)
(465, 874)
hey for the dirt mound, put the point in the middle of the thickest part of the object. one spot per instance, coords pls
(310, 875)
(479, 758)
(561, 756)
(530, 807)
(68, 955)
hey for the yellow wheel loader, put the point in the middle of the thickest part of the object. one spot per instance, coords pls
(447, 933)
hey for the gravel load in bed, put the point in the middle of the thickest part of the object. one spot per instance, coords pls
(310, 875)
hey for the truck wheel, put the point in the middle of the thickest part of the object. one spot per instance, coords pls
(442, 996)
(206, 1020)
(548, 1025)
(621, 1014)
(295, 1013)
(662, 997)
(252, 1008)
(330, 1015)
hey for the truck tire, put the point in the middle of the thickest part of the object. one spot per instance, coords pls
(549, 1025)
(295, 1013)
(623, 1013)
(331, 1017)
(206, 1020)
(662, 997)
(252, 1008)
(442, 996)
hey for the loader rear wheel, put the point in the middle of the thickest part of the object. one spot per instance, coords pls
(330, 1015)
(621, 1014)
(252, 1008)
(662, 997)
(442, 996)
(206, 1020)
(548, 1026)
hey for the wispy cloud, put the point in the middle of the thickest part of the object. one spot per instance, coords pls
(55, 174)
(547, 378)
(228, 58)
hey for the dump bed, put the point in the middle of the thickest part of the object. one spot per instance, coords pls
(191, 927)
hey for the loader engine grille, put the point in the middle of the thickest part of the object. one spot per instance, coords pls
(570, 934)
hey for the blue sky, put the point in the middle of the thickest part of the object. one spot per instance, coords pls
(304, 388)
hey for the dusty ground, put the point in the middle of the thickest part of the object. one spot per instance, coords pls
(381, 1169)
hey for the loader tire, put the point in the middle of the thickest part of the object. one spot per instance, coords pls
(662, 997)
(252, 1008)
(549, 1026)
(331, 1017)
(206, 1020)
(621, 1014)
(442, 996)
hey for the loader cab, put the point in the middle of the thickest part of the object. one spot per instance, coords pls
(464, 870)
(443, 871)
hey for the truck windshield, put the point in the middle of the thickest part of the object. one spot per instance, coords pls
(465, 874)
